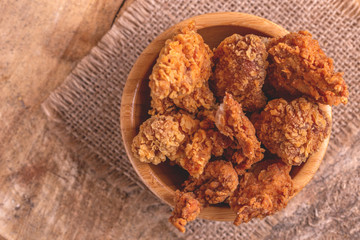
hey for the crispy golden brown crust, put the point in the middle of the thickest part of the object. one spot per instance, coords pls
(262, 195)
(292, 130)
(200, 97)
(197, 153)
(202, 142)
(232, 122)
(199, 149)
(187, 208)
(299, 66)
(179, 138)
(219, 141)
(191, 129)
(218, 181)
(159, 136)
(240, 69)
(180, 74)
(207, 118)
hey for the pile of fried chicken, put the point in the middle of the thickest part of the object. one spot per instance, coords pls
(218, 113)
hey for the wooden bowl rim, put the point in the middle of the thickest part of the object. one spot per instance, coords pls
(146, 174)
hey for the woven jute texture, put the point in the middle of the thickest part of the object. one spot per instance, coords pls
(87, 105)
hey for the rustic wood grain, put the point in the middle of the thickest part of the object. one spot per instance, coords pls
(123, 8)
(41, 41)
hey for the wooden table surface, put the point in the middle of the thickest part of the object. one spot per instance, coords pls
(40, 186)
(46, 190)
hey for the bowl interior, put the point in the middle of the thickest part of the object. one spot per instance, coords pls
(164, 179)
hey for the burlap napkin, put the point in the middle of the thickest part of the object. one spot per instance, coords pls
(87, 105)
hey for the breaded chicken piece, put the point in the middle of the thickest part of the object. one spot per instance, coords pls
(214, 140)
(188, 124)
(187, 208)
(180, 74)
(298, 66)
(199, 149)
(240, 69)
(232, 122)
(218, 181)
(197, 153)
(262, 195)
(200, 97)
(292, 130)
(180, 139)
(159, 136)
(207, 118)
(219, 141)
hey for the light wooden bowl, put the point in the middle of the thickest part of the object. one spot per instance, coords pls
(164, 179)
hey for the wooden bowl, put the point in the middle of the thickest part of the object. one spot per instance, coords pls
(164, 179)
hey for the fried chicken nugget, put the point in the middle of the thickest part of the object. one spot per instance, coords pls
(220, 142)
(292, 130)
(199, 149)
(187, 208)
(180, 74)
(180, 139)
(218, 181)
(240, 69)
(232, 122)
(262, 195)
(197, 153)
(159, 136)
(163, 136)
(298, 66)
